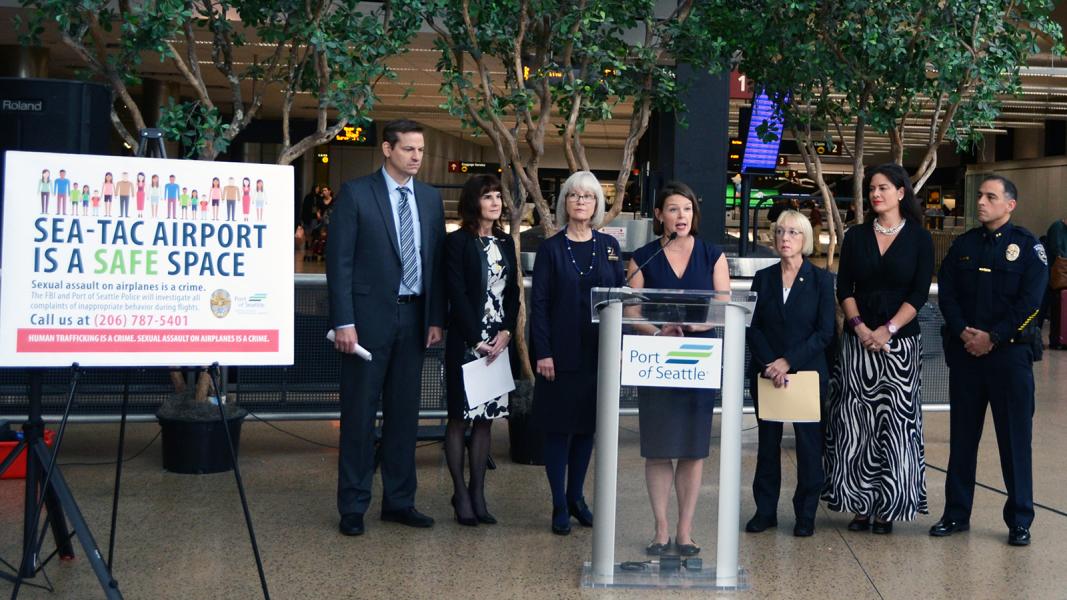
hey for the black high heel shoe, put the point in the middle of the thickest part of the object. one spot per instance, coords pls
(580, 510)
(484, 516)
(465, 521)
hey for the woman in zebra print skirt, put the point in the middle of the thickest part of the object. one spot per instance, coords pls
(874, 455)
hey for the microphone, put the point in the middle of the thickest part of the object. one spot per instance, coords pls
(670, 238)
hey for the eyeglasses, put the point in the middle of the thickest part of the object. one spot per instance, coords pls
(581, 198)
(782, 232)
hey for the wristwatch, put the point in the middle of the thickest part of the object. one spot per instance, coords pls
(994, 338)
(892, 327)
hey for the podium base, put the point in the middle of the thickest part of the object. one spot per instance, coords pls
(671, 573)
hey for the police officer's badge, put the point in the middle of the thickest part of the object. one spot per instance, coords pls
(1012, 252)
(1040, 250)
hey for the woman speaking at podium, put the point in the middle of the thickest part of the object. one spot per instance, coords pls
(676, 423)
(565, 341)
(792, 327)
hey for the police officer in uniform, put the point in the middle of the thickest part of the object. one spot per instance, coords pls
(991, 284)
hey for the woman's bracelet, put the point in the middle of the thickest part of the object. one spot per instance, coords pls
(657, 332)
(855, 321)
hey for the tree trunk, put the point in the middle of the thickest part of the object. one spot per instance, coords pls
(857, 170)
(813, 164)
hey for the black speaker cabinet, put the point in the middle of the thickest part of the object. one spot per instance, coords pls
(53, 115)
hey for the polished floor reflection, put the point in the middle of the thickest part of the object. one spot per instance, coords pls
(183, 536)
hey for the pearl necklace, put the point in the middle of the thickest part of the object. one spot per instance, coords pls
(592, 260)
(889, 230)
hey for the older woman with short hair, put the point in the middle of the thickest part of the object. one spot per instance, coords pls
(565, 341)
(792, 327)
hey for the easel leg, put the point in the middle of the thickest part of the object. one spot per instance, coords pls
(214, 371)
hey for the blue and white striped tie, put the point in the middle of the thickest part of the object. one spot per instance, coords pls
(408, 255)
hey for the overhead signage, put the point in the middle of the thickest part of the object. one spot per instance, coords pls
(355, 135)
(762, 156)
(461, 166)
(120, 261)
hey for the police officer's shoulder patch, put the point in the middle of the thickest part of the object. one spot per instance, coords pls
(1040, 250)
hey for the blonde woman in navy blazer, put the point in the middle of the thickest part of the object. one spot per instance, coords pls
(792, 327)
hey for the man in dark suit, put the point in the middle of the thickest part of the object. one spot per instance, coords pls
(384, 262)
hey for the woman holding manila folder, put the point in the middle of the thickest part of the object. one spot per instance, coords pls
(565, 341)
(483, 298)
(676, 423)
(792, 328)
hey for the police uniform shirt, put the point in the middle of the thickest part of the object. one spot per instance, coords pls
(993, 281)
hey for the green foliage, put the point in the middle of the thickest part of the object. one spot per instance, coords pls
(194, 126)
(886, 61)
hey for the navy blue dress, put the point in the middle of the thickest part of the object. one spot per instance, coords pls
(676, 422)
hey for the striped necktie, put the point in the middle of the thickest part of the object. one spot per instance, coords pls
(408, 255)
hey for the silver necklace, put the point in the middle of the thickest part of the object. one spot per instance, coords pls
(889, 230)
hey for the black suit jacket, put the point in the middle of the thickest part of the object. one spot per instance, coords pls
(363, 266)
(467, 273)
(801, 329)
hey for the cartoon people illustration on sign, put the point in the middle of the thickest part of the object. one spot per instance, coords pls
(96, 203)
(154, 194)
(216, 196)
(230, 194)
(170, 192)
(261, 200)
(61, 188)
(203, 207)
(85, 200)
(246, 197)
(75, 198)
(124, 189)
(108, 190)
(140, 195)
(183, 199)
(45, 188)
(194, 200)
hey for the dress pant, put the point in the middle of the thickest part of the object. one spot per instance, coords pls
(1003, 379)
(395, 375)
(231, 210)
(124, 206)
(767, 482)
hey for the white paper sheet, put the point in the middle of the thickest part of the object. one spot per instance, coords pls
(486, 382)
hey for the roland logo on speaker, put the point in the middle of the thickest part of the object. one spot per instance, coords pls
(10, 105)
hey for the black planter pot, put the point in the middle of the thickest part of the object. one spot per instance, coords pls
(198, 446)
(527, 440)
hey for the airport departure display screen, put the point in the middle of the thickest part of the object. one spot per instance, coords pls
(761, 156)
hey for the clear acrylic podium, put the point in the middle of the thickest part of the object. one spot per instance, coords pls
(619, 309)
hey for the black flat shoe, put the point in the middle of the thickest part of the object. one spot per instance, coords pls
(882, 527)
(1019, 536)
(351, 524)
(408, 516)
(946, 527)
(804, 528)
(655, 548)
(465, 521)
(561, 520)
(760, 523)
(860, 524)
(686, 549)
(580, 510)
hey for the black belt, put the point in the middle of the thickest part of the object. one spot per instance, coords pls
(407, 298)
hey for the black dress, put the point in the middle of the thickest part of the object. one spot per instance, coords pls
(874, 455)
(676, 422)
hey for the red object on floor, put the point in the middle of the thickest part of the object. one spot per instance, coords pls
(17, 470)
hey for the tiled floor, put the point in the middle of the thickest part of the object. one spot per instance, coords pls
(183, 536)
